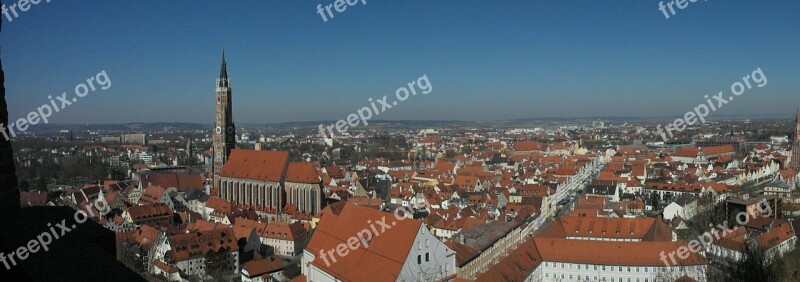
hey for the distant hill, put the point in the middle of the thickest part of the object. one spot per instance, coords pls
(376, 124)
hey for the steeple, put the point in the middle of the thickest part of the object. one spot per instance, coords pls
(797, 116)
(222, 81)
(223, 71)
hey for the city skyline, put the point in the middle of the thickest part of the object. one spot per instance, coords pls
(315, 70)
(363, 140)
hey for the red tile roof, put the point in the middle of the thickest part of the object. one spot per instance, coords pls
(152, 195)
(387, 251)
(517, 266)
(197, 244)
(302, 173)
(181, 181)
(687, 152)
(529, 146)
(726, 149)
(32, 199)
(258, 268)
(149, 211)
(256, 165)
(778, 234)
(612, 253)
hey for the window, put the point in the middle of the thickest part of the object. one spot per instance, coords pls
(595, 267)
(427, 257)
(419, 259)
(629, 269)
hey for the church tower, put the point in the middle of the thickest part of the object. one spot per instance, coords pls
(189, 149)
(224, 129)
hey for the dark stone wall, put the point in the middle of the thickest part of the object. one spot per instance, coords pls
(9, 195)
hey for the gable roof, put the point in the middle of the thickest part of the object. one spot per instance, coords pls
(517, 266)
(302, 173)
(256, 165)
(387, 251)
(611, 252)
(182, 181)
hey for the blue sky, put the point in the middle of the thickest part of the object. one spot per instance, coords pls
(486, 60)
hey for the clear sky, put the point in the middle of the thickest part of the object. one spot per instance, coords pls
(486, 60)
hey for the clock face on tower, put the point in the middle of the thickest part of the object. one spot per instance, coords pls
(219, 129)
(230, 129)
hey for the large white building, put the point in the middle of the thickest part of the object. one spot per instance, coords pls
(587, 260)
(625, 249)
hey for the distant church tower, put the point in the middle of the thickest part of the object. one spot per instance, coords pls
(189, 154)
(796, 143)
(224, 129)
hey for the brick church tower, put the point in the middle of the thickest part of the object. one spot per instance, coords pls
(224, 130)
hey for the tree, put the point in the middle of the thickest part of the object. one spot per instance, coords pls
(131, 256)
(41, 185)
(24, 186)
(216, 263)
(293, 269)
(656, 201)
(757, 267)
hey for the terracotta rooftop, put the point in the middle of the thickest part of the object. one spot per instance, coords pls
(612, 253)
(302, 173)
(387, 251)
(517, 266)
(256, 165)
(268, 265)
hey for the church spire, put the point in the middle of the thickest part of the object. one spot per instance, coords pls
(223, 71)
(222, 81)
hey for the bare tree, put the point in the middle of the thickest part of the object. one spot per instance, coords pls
(757, 266)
